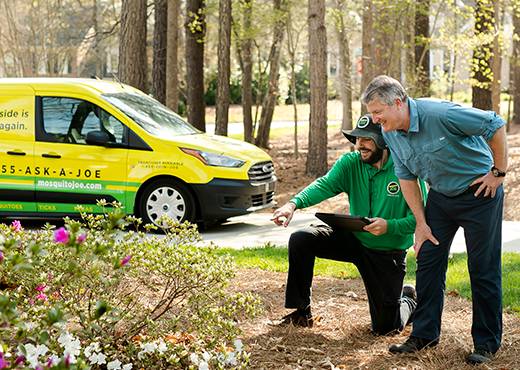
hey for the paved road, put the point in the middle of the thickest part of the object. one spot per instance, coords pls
(256, 229)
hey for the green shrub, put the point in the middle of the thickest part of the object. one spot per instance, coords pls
(87, 295)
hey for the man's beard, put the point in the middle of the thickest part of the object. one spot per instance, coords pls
(374, 157)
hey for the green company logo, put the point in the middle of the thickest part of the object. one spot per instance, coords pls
(393, 188)
(363, 122)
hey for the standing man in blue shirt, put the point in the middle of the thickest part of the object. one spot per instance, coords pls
(462, 154)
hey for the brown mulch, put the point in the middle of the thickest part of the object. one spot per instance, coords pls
(341, 338)
(291, 171)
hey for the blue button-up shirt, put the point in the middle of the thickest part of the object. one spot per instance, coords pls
(446, 144)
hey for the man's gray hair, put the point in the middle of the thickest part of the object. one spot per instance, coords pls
(384, 88)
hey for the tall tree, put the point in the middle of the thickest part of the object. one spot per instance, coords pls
(515, 63)
(224, 66)
(345, 78)
(264, 128)
(159, 50)
(496, 61)
(317, 154)
(195, 40)
(172, 56)
(422, 48)
(481, 69)
(132, 46)
(367, 34)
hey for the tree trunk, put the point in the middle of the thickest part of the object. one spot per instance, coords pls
(367, 73)
(246, 47)
(515, 66)
(496, 60)
(132, 45)
(345, 78)
(264, 127)
(159, 50)
(317, 154)
(195, 34)
(172, 56)
(482, 54)
(224, 46)
(422, 48)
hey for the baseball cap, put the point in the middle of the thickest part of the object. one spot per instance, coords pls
(365, 127)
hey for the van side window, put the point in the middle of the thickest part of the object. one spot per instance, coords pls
(69, 120)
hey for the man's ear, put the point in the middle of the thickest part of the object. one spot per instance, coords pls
(398, 103)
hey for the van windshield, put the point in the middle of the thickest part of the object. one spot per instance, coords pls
(151, 115)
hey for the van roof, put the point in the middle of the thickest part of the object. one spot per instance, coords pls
(62, 83)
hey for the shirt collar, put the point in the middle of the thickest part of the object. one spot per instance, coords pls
(414, 118)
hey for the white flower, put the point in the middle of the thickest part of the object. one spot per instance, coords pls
(33, 352)
(161, 348)
(98, 359)
(194, 358)
(149, 347)
(127, 367)
(203, 365)
(71, 346)
(53, 360)
(231, 359)
(91, 348)
(239, 346)
(206, 356)
(114, 365)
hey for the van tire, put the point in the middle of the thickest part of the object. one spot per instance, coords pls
(169, 197)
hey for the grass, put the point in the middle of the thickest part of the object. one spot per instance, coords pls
(275, 259)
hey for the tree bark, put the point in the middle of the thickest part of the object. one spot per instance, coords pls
(172, 56)
(482, 54)
(345, 78)
(422, 48)
(515, 65)
(496, 60)
(159, 50)
(224, 65)
(264, 127)
(317, 154)
(132, 46)
(367, 73)
(195, 39)
(246, 47)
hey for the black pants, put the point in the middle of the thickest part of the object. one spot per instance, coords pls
(382, 273)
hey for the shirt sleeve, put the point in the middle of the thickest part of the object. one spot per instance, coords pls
(406, 225)
(472, 121)
(328, 186)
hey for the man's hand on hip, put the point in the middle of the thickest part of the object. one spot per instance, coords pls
(488, 184)
(377, 226)
(284, 214)
(423, 233)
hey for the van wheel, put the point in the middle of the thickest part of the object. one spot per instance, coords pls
(166, 197)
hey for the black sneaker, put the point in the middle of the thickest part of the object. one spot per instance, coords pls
(409, 291)
(479, 356)
(412, 344)
(298, 318)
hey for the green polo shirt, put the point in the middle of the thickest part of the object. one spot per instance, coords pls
(372, 193)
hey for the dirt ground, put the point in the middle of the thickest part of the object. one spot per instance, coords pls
(291, 171)
(341, 338)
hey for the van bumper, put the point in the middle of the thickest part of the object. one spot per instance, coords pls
(221, 198)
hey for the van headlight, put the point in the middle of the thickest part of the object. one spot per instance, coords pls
(214, 159)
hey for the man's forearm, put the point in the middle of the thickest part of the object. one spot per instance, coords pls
(498, 145)
(412, 195)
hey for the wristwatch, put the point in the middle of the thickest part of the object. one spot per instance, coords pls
(497, 173)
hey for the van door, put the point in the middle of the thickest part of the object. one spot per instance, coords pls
(80, 156)
(16, 150)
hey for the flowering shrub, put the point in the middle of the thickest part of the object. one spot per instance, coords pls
(87, 295)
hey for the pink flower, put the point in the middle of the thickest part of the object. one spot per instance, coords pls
(19, 360)
(16, 226)
(1, 256)
(81, 238)
(3, 363)
(40, 287)
(42, 297)
(125, 260)
(61, 236)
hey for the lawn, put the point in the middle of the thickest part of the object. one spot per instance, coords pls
(272, 258)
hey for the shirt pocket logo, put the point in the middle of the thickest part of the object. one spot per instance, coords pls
(393, 188)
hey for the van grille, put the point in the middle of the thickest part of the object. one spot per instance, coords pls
(261, 172)
(262, 199)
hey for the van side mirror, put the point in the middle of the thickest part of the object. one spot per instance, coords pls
(97, 138)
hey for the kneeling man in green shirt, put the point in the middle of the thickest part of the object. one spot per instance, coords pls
(379, 253)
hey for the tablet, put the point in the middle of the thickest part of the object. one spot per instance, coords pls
(345, 222)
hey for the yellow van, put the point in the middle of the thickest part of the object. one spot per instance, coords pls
(69, 142)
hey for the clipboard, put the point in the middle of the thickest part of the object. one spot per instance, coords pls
(343, 222)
